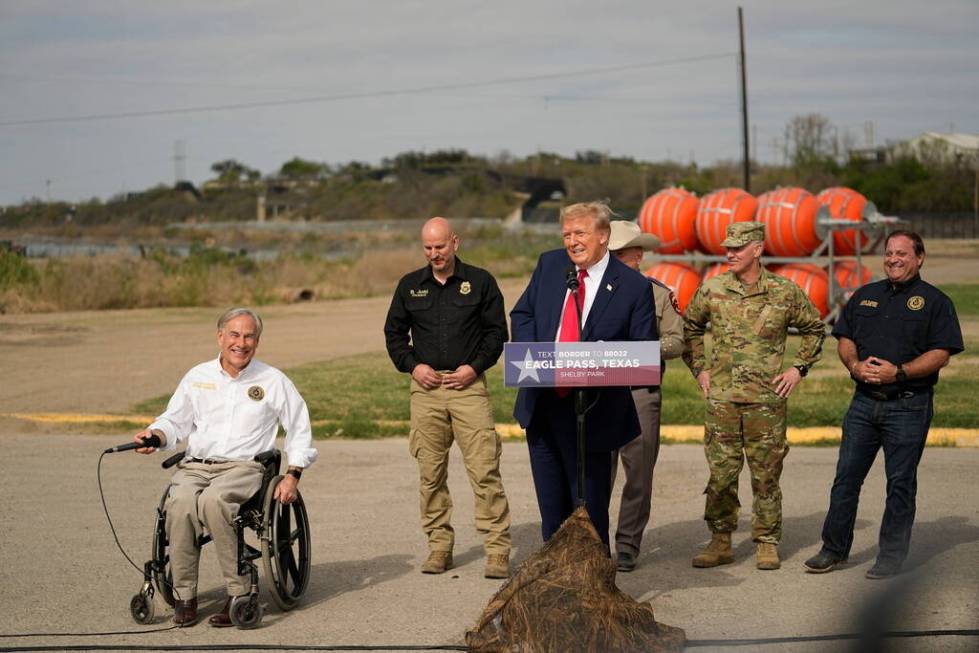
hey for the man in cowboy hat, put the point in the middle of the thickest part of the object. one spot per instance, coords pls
(628, 243)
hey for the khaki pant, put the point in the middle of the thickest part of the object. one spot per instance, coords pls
(208, 497)
(638, 460)
(437, 417)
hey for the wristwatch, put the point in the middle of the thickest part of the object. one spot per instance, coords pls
(296, 473)
(901, 376)
(803, 370)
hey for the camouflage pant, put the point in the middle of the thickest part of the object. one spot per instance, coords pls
(758, 430)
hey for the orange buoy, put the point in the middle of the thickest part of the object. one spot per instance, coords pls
(847, 204)
(849, 276)
(670, 215)
(681, 278)
(714, 270)
(791, 223)
(812, 279)
(719, 209)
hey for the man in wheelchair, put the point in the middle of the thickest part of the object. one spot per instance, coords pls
(228, 410)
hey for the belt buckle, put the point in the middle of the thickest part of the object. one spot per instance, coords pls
(905, 394)
(880, 396)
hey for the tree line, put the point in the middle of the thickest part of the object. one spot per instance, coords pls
(458, 183)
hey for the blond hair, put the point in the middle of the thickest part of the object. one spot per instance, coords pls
(600, 212)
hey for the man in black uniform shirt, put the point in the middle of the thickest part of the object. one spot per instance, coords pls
(894, 335)
(454, 315)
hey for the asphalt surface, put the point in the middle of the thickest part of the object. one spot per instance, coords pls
(60, 571)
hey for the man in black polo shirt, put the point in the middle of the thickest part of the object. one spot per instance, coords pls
(446, 327)
(894, 335)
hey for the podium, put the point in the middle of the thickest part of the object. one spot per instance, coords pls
(580, 366)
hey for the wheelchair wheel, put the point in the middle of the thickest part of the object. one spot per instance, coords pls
(245, 611)
(141, 608)
(160, 556)
(285, 547)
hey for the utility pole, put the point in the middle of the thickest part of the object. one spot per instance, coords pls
(746, 156)
(179, 162)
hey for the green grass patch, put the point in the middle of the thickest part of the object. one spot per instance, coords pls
(964, 296)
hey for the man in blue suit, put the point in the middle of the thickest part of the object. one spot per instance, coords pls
(615, 304)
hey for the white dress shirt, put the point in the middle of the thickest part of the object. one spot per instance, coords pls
(594, 278)
(237, 418)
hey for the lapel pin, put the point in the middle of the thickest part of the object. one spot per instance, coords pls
(608, 287)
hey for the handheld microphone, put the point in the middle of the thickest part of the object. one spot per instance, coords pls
(571, 279)
(152, 441)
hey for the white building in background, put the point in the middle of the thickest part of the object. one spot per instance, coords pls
(939, 147)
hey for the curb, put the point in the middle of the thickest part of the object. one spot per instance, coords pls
(670, 433)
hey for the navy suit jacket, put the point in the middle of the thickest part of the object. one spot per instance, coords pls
(623, 310)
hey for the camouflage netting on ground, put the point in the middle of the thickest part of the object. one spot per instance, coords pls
(564, 598)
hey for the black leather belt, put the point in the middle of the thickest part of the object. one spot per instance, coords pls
(207, 461)
(879, 395)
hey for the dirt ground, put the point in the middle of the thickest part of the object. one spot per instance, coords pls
(60, 571)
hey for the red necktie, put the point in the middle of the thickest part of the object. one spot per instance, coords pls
(569, 321)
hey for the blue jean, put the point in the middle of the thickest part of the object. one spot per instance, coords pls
(900, 426)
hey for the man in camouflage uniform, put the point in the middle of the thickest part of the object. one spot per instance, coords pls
(750, 310)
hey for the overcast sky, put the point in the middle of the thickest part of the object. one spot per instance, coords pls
(94, 95)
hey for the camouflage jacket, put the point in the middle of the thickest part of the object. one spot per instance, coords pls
(748, 331)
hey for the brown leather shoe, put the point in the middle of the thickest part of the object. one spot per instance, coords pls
(185, 612)
(223, 618)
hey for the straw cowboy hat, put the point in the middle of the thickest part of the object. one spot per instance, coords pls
(628, 234)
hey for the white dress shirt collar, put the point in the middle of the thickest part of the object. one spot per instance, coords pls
(592, 283)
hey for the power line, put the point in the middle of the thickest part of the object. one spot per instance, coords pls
(362, 95)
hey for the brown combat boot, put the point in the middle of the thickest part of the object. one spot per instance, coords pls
(766, 556)
(438, 562)
(497, 565)
(717, 552)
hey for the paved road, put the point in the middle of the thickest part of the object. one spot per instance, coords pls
(61, 572)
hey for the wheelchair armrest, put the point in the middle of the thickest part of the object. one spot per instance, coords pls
(172, 460)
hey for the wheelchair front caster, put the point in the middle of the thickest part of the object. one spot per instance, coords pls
(141, 608)
(245, 611)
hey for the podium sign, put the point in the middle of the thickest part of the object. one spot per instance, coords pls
(581, 364)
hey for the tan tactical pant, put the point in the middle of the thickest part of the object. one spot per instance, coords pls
(638, 460)
(437, 417)
(734, 432)
(208, 497)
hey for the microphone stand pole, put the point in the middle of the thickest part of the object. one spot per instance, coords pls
(580, 408)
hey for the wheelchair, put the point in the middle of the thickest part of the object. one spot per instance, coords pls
(282, 533)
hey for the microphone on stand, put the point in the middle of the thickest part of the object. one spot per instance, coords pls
(571, 279)
(152, 441)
